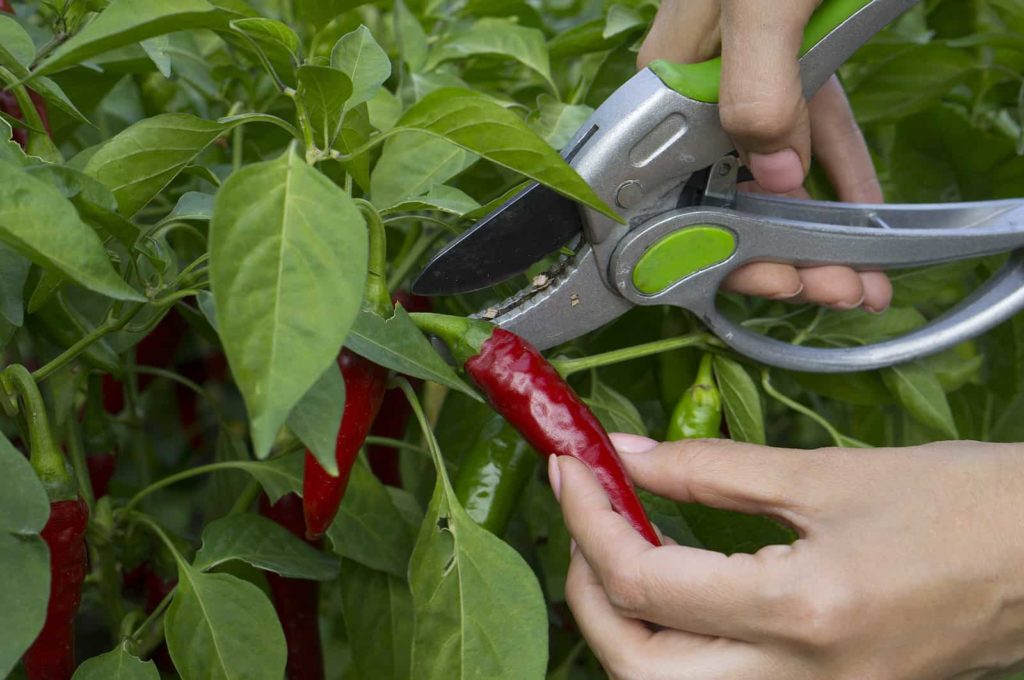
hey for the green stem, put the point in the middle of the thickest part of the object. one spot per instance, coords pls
(71, 353)
(76, 452)
(148, 522)
(568, 367)
(245, 499)
(182, 380)
(410, 258)
(141, 649)
(377, 294)
(46, 457)
(706, 373)
(395, 443)
(186, 474)
(464, 336)
(428, 435)
(838, 438)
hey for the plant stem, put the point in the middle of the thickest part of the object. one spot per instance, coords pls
(183, 475)
(377, 295)
(413, 255)
(395, 444)
(245, 499)
(838, 438)
(568, 367)
(76, 453)
(71, 353)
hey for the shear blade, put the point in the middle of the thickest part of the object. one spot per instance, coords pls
(531, 225)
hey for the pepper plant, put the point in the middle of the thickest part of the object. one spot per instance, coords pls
(207, 205)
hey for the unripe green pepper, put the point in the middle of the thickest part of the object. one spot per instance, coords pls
(493, 475)
(698, 415)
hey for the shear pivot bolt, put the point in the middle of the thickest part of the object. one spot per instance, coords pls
(629, 194)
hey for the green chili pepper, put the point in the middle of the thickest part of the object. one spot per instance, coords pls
(493, 475)
(698, 415)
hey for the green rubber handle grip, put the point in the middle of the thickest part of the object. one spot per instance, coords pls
(702, 81)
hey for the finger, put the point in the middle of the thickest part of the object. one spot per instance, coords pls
(683, 32)
(765, 279)
(833, 286)
(761, 104)
(739, 597)
(734, 476)
(877, 291)
(628, 649)
(840, 147)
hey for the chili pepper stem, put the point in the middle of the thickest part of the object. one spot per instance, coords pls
(45, 456)
(463, 336)
(705, 374)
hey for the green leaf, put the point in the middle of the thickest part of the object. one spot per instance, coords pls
(316, 418)
(364, 61)
(614, 410)
(479, 609)
(399, 345)
(478, 124)
(125, 22)
(324, 91)
(24, 506)
(220, 627)
(441, 198)
(622, 19)
(117, 664)
(370, 529)
(557, 122)
(13, 274)
(16, 46)
(413, 164)
(278, 476)
(42, 225)
(377, 608)
(920, 392)
(899, 87)
(741, 401)
(856, 326)
(288, 258)
(502, 37)
(264, 544)
(22, 598)
(269, 33)
(141, 161)
(192, 206)
(410, 37)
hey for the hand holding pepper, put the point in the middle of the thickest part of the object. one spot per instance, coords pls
(908, 565)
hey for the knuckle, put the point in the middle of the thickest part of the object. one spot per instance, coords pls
(761, 119)
(625, 590)
(823, 613)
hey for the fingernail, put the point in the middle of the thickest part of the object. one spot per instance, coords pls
(778, 172)
(631, 443)
(555, 477)
(875, 310)
(788, 296)
(573, 548)
(847, 306)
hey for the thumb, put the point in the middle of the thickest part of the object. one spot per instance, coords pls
(762, 103)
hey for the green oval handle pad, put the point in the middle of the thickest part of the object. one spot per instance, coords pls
(680, 255)
(701, 81)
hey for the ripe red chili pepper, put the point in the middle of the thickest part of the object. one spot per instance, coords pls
(296, 600)
(5, 6)
(535, 399)
(364, 391)
(52, 655)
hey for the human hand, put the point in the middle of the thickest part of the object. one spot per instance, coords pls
(908, 564)
(763, 109)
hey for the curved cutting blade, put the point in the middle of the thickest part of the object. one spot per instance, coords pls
(531, 225)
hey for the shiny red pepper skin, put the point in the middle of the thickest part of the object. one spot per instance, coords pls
(296, 601)
(52, 655)
(522, 386)
(364, 391)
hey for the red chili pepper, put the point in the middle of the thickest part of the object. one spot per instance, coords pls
(296, 600)
(52, 655)
(364, 391)
(5, 6)
(536, 400)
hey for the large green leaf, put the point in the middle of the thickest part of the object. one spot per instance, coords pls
(117, 664)
(364, 61)
(13, 274)
(478, 124)
(220, 627)
(377, 608)
(288, 258)
(264, 544)
(468, 586)
(142, 160)
(921, 393)
(497, 37)
(398, 344)
(411, 38)
(556, 121)
(39, 222)
(125, 22)
(414, 164)
(741, 401)
(24, 506)
(324, 91)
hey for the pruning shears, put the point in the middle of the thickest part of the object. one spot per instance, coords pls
(656, 151)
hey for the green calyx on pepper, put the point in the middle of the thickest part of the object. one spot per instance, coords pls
(45, 456)
(698, 414)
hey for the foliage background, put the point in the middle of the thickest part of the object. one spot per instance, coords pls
(169, 127)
